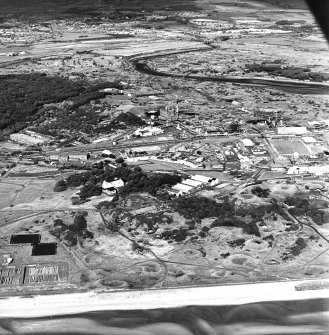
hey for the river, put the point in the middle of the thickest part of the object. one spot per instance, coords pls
(291, 86)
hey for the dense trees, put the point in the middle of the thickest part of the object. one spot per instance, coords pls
(303, 206)
(70, 233)
(198, 208)
(292, 72)
(139, 181)
(235, 127)
(284, 22)
(78, 179)
(22, 95)
(79, 222)
(135, 179)
(79, 119)
(193, 208)
(60, 186)
(299, 245)
(86, 98)
(129, 119)
(249, 228)
(121, 122)
(261, 192)
(106, 205)
(119, 160)
(89, 190)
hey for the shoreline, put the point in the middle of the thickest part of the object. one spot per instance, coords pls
(93, 301)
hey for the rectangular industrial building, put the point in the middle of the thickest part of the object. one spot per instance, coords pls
(192, 182)
(201, 178)
(25, 238)
(292, 130)
(182, 188)
(247, 142)
(44, 249)
(309, 139)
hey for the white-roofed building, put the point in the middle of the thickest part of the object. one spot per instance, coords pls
(247, 142)
(222, 185)
(205, 179)
(192, 182)
(292, 130)
(201, 178)
(309, 139)
(115, 183)
(110, 188)
(75, 156)
(175, 192)
(148, 131)
(183, 188)
(317, 170)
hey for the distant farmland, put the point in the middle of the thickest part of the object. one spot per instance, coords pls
(289, 147)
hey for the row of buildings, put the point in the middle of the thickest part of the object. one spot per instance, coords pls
(192, 184)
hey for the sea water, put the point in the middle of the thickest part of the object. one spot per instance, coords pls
(279, 317)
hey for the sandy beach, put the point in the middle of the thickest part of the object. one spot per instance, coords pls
(45, 305)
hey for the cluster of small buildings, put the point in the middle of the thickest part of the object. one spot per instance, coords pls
(17, 35)
(210, 23)
(225, 155)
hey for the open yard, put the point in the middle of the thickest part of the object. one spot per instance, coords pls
(32, 194)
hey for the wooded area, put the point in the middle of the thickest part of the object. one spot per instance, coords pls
(22, 95)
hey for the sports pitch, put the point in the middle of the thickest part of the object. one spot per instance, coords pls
(289, 147)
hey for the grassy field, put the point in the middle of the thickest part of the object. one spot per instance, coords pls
(32, 194)
(8, 193)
